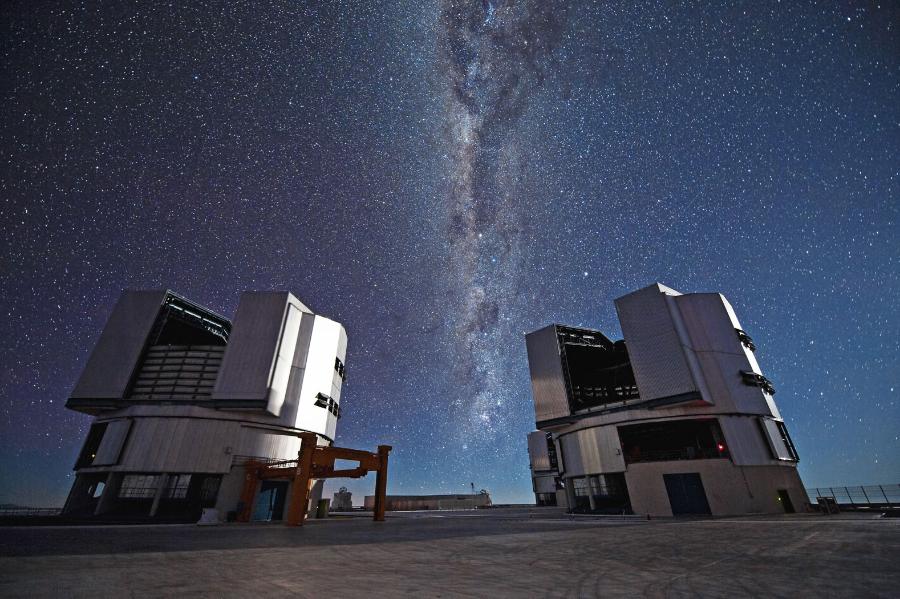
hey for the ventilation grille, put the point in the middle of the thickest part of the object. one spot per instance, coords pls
(178, 372)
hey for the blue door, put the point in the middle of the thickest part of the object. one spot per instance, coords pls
(686, 494)
(270, 501)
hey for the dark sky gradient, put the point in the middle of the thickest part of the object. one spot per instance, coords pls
(443, 177)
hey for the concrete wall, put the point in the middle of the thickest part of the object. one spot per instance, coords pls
(230, 491)
(731, 490)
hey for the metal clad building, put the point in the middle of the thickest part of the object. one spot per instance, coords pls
(675, 419)
(182, 397)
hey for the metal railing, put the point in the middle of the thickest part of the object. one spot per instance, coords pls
(665, 455)
(864, 496)
(27, 512)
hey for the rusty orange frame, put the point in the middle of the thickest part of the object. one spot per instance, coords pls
(313, 463)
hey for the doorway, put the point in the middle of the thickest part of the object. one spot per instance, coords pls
(686, 494)
(785, 499)
(270, 501)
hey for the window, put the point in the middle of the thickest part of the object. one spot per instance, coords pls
(755, 379)
(580, 486)
(139, 486)
(786, 438)
(322, 400)
(98, 489)
(597, 371)
(606, 485)
(91, 445)
(209, 490)
(745, 339)
(692, 439)
(545, 498)
(177, 487)
(778, 440)
(551, 453)
(339, 367)
(327, 402)
(601, 493)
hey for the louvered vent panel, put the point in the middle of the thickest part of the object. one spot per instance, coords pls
(178, 372)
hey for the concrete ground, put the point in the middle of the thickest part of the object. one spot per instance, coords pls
(516, 552)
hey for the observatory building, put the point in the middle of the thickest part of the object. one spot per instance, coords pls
(182, 397)
(677, 418)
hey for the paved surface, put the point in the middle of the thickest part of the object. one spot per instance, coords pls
(493, 553)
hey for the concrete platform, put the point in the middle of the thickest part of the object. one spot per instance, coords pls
(487, 553)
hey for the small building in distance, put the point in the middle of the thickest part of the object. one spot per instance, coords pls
(343, 501)
(675, 419)
(408, 503)
(183, 397)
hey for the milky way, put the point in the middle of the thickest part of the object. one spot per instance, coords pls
(495, 54)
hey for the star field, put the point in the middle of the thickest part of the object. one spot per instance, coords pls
(442, 177)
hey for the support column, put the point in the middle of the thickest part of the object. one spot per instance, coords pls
(110, 493)
(248, 491)
(590, 485)
(79, 495)
(381, 482)
(316, 487)
(160, 489)
(300, 489)
(570, 494)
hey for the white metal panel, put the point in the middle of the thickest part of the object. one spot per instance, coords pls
(745, 441)
(288, 415)
(264, 443)
(180, 445)
(548, 385)
(751, 357)
(337, 380)
(775, 440)
(732, 393)
(545, 484)
(249, 359)
(281, 371)
(654, 347)
(318, 376)
(178, 455)
(538, 454)
(687, 348)
(711, 324)
(156, 439)
(116, 354)
(595, 450)
(110, 449)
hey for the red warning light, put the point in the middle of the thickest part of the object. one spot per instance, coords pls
(721, 447)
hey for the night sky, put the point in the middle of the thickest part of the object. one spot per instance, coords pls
(442, 177)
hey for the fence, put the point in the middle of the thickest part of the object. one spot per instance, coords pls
(26, 512)
(859, 496)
